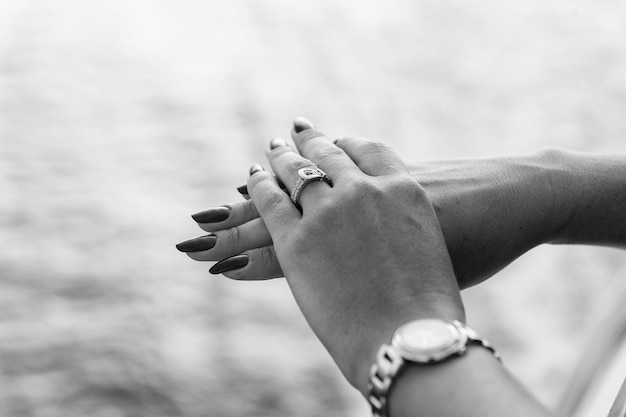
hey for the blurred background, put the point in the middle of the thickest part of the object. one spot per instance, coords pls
(119, 119)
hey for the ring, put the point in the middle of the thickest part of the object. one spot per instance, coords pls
(307, 176)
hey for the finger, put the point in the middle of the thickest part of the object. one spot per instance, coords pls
(374, 158)
(224, 243)
(226, 216)
(316, 147)
(286, 165)
(253, 265)
(243, 190)
(273, 204)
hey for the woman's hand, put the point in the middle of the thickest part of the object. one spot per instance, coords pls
(490, 210)
(364, 255)
(361, 258)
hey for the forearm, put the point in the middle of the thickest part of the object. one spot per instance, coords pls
(475, 384)
(492, 210)
(593, 199)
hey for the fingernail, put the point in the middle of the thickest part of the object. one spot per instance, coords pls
(212, 215)
(229, 264)
(336, 141)
(300, 124)
(256, 168)
(276, 143)
(243, 189)
(198, 244)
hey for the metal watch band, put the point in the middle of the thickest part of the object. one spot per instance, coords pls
(389, 364)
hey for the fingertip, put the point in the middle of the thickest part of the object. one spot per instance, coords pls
(272, 202)
(259, 177)
(341, 141)
(256, 168)
(301, 124)
(277, 143)
(243, 190)
(305, 136)
(256, 175)
(230, 264)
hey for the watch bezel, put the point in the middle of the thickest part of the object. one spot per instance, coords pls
(455, 345)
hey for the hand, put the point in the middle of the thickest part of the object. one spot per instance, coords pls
(491, 211)
(363, 256)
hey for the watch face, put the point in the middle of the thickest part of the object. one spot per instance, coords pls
(428, 340)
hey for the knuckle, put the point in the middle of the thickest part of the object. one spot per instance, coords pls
(235, 235)
(404, 183)
(372, 147)
(272, 200)
(354, 186)
(347, 140)
(297, 164)
(267, 258)
(355, 190)
(328, 155)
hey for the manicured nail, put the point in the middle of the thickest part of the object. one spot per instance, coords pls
(212, 215)
(256, 168)
(243, 189)
(198, 244)
(336, 141)
(276, 143)
(229, 264)
(300, 124)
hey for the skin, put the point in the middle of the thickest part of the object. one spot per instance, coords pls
(453, 223)
(376, 221)
(491, 211)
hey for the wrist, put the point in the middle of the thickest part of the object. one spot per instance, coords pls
(442, 367)
(591, 198)
(492, 210)
(549, 172)
(381, 331)
(421, 343)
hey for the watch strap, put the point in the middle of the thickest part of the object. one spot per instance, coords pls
(389, 364)
(475, 339)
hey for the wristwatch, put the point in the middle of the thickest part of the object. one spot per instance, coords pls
(424, 341)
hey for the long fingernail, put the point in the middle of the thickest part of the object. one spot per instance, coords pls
(243, 189)
(256, 168)
(212, 215)
(230, 264)
(198, 244)
(277, 143)
(300, 123)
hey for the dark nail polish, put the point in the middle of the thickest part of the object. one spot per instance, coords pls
(256, 168)
(229, 264)
(212, 215)
(243, 189)
(277, 143)
(336, 141)
(300, 124)
(198, 244)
